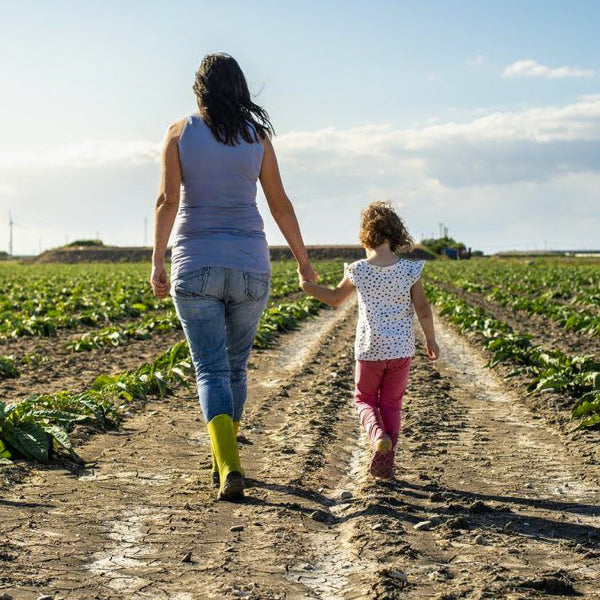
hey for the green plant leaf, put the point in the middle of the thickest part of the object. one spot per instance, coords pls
(60, 435)
(29, 439)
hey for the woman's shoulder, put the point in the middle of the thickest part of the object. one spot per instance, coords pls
(176, 129)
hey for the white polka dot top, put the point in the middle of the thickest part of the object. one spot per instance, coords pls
(385, 309)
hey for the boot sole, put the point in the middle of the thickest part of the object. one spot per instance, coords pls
(233, 488)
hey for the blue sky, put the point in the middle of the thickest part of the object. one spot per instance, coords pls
(482, 115)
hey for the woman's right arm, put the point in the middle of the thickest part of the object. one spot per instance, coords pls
(282, 210)
(167, 205)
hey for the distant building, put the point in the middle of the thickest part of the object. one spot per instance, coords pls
(451, 253)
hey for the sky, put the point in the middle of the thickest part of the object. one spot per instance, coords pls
(481, 116)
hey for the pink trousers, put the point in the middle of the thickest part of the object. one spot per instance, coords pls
(380, 386)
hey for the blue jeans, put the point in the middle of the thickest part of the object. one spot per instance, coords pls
(219, 309)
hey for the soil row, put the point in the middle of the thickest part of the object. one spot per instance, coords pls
(60, 369)
(544, 330)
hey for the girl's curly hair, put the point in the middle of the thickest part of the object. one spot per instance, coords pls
(380, 223)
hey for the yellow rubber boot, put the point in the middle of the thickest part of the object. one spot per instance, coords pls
(215, 468)
(224, 445)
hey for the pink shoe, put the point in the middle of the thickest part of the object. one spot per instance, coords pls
(382, 465)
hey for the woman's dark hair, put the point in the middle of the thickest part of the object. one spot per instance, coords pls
(380, 223)
(225, 104)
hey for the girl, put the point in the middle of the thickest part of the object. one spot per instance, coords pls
(388, 289)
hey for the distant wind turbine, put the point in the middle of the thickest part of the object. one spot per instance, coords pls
(11, 223)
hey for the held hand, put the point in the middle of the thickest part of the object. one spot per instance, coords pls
(159, 281)
(433, 350)
(301, 280)
(307, 273)
(304, 284)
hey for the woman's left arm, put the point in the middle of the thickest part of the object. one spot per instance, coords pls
(167, 205)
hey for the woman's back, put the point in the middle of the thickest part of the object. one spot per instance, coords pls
(218, 223)
(215, 174)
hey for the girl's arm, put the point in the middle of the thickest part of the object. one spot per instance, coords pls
(425, 317)
(333, 297)
(167, 205)
(282, 210)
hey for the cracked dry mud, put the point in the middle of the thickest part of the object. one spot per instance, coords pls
(502, 507)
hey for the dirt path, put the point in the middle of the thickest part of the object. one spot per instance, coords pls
(508, 511)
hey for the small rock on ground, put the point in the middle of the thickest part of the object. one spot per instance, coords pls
(319, 515)
(457, 523)
(478, 507)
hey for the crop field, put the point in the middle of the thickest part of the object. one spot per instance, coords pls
(105, 488)
(541, 319)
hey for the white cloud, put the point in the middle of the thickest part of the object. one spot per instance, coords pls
(501, 147)
(532, 68)
(501, 135)
(85, 154)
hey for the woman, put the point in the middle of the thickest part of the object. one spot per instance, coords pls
(220, 269)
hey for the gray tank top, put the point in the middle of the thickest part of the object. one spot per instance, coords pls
(218, 223)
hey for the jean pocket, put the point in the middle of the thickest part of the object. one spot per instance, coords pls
(257, 285)
(191, 284)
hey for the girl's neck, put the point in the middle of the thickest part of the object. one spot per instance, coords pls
(382, 256)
